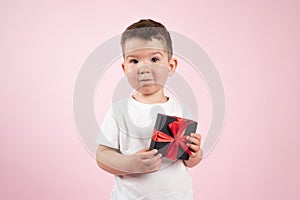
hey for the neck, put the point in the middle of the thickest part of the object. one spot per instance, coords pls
(158, 97)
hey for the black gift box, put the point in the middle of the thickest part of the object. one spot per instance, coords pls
(169, 136)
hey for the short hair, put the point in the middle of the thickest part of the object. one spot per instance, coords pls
(147, 29)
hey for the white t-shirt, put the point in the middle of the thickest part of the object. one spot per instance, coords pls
(128, 126)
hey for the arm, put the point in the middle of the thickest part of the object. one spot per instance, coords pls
(197, 153)
(112, 161)
(110, 157)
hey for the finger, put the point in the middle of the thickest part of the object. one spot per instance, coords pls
(149, 154)
(198, 154)
(153, 167)
(155, 164)
(193, 140)
(152, 160)
(196, 135)
(194, 147)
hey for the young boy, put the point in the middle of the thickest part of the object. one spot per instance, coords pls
(126, 130)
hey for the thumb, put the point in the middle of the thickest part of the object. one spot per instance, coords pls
(142, 150)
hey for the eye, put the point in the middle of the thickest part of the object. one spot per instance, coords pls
(134, 61)
(155, 59)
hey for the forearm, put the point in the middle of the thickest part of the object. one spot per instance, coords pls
(113, 162)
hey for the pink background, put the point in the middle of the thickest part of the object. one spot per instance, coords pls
(255, 46)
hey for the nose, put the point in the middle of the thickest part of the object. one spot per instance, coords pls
(144, 70)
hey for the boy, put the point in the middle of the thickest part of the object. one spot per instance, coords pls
(126, 130)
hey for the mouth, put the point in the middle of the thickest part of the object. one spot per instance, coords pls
(146, 81)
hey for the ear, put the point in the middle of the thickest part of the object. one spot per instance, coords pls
(123, 67)
(172, 66)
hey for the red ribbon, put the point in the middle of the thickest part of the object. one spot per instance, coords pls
(178, 129)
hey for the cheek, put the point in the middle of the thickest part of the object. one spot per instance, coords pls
(132, 77)
(128, 67)
(161, 74)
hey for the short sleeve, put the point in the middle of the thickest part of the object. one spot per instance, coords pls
(186, 113)
(109, 131)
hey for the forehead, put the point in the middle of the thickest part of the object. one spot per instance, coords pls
(136, 44)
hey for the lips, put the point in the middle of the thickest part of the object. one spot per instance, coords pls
(146, 81)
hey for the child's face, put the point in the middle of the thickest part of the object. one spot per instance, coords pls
(146, 65)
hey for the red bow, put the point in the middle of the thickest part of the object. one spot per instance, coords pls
(178, 129)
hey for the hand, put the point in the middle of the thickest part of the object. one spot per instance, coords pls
(145, 161)
(194, 142)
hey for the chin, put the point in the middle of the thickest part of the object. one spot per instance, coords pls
(148, 89)
(146, 92)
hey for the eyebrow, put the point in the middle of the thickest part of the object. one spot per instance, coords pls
(158, 53)
(126, 57)
(134, 56)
